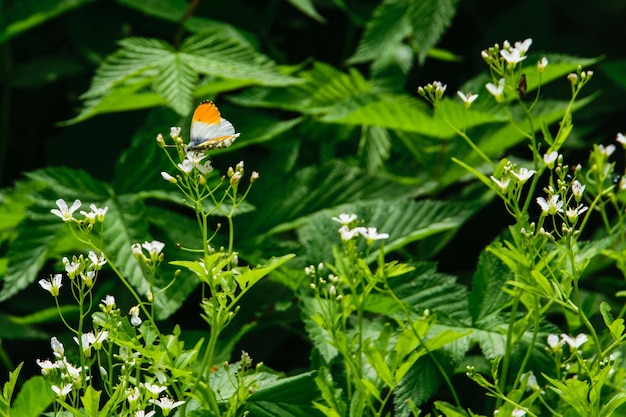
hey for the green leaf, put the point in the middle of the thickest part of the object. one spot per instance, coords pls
(320, 338)
(449, 410)
(33, 399)
(28, 253)
(487, 298)
(173, 74)
(419, 384)
(309, 190)
(307, 7)
(388, 26)
(24, 15)
(91, 401)
(332, 396)
(573, 392)
(285, 397)
(176, 81)
(171, 10)
(616, 327)
(430, 19)
(423, 21)
(249, 277)
(405, 221)
(9, 387)
(374, 146)
(215, 53)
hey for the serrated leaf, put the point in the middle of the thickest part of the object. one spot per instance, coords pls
(405, 221)
(27, 253)
(176, 81)
(288, 397)
(215, 53)
(421, 381)
(312, 189)
(374, 146)
(70, 184)
(487, 297)
(388, 26)
(430, 19)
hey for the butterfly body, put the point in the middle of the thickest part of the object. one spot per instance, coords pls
(209, 130)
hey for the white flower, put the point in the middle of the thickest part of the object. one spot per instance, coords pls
(607, 150)
(154, 248)
(542, 64)
(136, 249)
(512, 56)
(98, 212)
(620, 138)
(52, 284)
(524, 46)
(88, 278)
(72, 268)
(552, 206)
(370, 234)
(154, 389)
(57, 348)
(347, 233)
(186, 166)
(573, 213)
(502, 184)
(135, 320)
(497, 91)
(531, 381)
(132, 395)
(166, 404)
(108, 303)
(142, 413)
(65, 212)
(468, 98)
(97, 261)
(174, 132)
(577, 190)
(46, 366)
(518, 412)
(205, 169)
(87, 340)
(554, 341)
(524, 174)
(167, 177)
(575, 343)
(550, 158)
(345, 219)
(62, 391)
(101, 336)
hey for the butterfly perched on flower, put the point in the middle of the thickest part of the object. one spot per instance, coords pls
(209, 130)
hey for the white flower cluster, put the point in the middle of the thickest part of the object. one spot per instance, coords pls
(348, 233)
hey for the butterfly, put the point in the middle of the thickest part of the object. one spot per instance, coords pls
(209, 130)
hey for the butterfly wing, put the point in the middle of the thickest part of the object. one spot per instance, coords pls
(209, 130)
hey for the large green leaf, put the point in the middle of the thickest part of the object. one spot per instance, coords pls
(285, 397)
(405, 221)
(310, 190)
(34, 398)
(148, 72)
